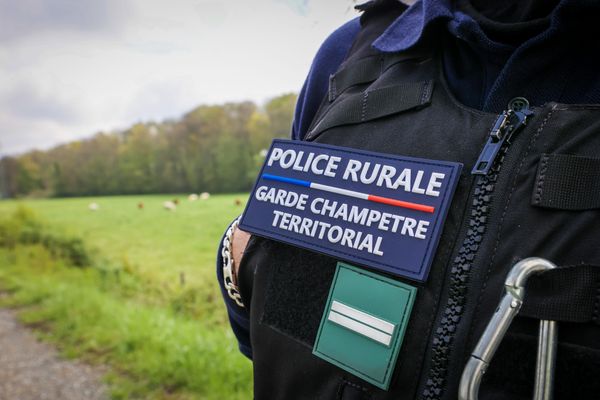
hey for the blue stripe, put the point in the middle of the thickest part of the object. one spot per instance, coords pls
(293, 181)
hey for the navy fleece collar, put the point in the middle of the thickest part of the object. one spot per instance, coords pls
(409, 28)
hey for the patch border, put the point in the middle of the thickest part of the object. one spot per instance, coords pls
(422, 273)
(397, 337)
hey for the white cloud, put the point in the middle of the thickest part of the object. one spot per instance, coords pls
(26, 18)
(28, 102)
(19, 135)
(68, 76)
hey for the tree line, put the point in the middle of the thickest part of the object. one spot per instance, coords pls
(213, 148)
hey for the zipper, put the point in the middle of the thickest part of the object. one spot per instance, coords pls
(507, 124)
(486, 170)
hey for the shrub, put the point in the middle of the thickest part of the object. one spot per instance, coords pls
(23, 227)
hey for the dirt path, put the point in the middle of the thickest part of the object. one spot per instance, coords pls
(31, 370)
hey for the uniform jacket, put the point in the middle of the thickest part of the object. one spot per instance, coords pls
(488, 56)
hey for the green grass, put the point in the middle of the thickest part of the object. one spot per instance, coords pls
(161, 339)
(159, 242)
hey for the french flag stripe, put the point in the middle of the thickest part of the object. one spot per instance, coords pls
(400, 203)
(351, 193)
(277, 178)
(344, 192)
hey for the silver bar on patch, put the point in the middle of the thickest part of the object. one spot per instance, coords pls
(359, 328)
(363, 317)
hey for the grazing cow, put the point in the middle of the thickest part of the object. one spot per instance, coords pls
(193, 197)
(204, 196)
(169, 206)
(141, 205)
(93, 207)
(237, 202)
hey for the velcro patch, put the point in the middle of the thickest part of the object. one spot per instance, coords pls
(364, 323)
(379, 210)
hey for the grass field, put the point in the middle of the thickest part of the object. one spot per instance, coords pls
(148, 305)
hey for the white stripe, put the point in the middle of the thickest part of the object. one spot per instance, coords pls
(363, 317)
(359, 328)
(332, 189)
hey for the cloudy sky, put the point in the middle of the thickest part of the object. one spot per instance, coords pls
(73, 67)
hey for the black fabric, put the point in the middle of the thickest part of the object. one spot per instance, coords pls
(512, 11)
(375, 10)
(364, 71)
(570, 294)
(518, 230)
(295, 282)
(297, 291)
(510, 22)
(376, 103)
(365, 6)
(511, 373)
(353, 391)
(373, 22)
(488, 228)
(416, 133)
(567, 182)
(247, 268)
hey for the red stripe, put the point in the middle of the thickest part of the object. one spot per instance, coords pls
(399, 203)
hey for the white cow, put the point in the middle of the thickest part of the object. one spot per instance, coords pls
(169, 205)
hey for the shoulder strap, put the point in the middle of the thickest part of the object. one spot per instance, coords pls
(367, 70)
(567, 182)
(376, 103)
(567, 294)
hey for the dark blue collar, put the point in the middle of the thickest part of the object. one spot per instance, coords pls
(408, 29)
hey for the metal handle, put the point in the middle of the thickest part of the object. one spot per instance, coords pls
(546, 359)
(496, 329)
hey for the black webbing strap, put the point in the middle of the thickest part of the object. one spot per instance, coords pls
(375, 103)
(366, 70)
(363, 71)
(567, 182)
(567, 294)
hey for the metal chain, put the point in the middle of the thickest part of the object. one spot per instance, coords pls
(230, 287)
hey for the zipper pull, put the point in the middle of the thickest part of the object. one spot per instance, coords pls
(507, 124)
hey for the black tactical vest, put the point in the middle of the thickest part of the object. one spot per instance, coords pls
(539, 196)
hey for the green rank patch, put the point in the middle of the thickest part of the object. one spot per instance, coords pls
(364, 323)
